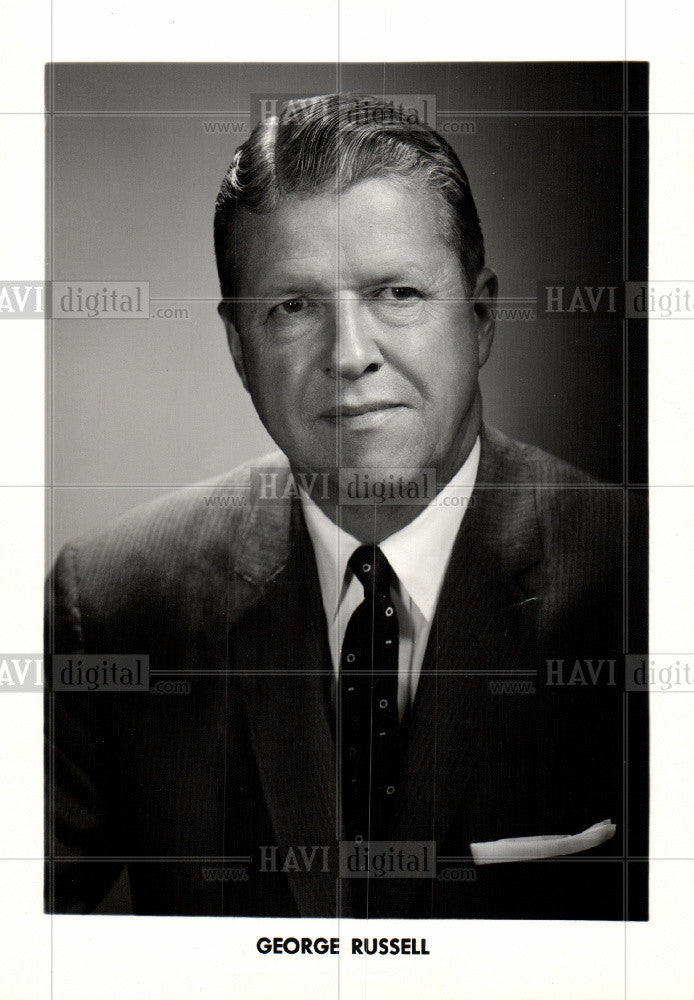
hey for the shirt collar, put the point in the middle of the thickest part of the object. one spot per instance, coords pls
(418, 553)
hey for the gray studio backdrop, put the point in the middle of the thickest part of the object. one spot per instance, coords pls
(136, 154)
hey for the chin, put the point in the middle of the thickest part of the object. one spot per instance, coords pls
(394, 452)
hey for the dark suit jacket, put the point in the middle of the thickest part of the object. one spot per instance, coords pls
(227, 597)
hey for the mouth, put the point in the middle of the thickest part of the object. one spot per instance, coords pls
(348, 410)
(361, 416)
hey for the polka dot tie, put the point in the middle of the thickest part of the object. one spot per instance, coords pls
(368, 702)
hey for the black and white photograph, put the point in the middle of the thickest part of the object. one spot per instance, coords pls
(379, 671)
(346, 501)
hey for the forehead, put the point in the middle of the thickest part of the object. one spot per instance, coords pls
(379, 223)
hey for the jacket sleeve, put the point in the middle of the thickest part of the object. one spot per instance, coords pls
(77, 815)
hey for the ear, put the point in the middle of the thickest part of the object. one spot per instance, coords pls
(234, 341)
(484, 304)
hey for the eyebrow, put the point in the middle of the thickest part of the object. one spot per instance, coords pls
(401, 273)
(283, 285)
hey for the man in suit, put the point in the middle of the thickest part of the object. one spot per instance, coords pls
(348, 662)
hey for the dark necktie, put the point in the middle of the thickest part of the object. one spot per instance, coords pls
(368, 703)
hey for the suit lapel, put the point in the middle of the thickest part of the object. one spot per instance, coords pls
(484, 623)
(282, 642)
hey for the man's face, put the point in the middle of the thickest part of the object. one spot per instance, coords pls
(359, 343)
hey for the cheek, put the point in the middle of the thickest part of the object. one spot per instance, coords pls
(442, 360)
(277, 380)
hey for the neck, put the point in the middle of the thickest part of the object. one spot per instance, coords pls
(372, 523)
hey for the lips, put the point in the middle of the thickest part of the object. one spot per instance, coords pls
(347, 411)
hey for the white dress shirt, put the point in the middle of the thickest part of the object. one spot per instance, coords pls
(418, 554)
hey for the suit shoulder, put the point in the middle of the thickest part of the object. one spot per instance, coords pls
(539, 466)
(565, 495)
(197, 526)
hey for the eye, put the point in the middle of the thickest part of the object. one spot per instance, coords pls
(290, 307)
(398, 293)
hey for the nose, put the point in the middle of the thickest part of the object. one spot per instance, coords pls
(354, 350)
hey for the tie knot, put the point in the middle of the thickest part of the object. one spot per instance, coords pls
(372, 569)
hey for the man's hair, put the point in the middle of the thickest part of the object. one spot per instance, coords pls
(332, 142)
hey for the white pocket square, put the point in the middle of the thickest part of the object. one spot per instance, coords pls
(493, 852)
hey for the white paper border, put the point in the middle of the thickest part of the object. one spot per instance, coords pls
(105, 957)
